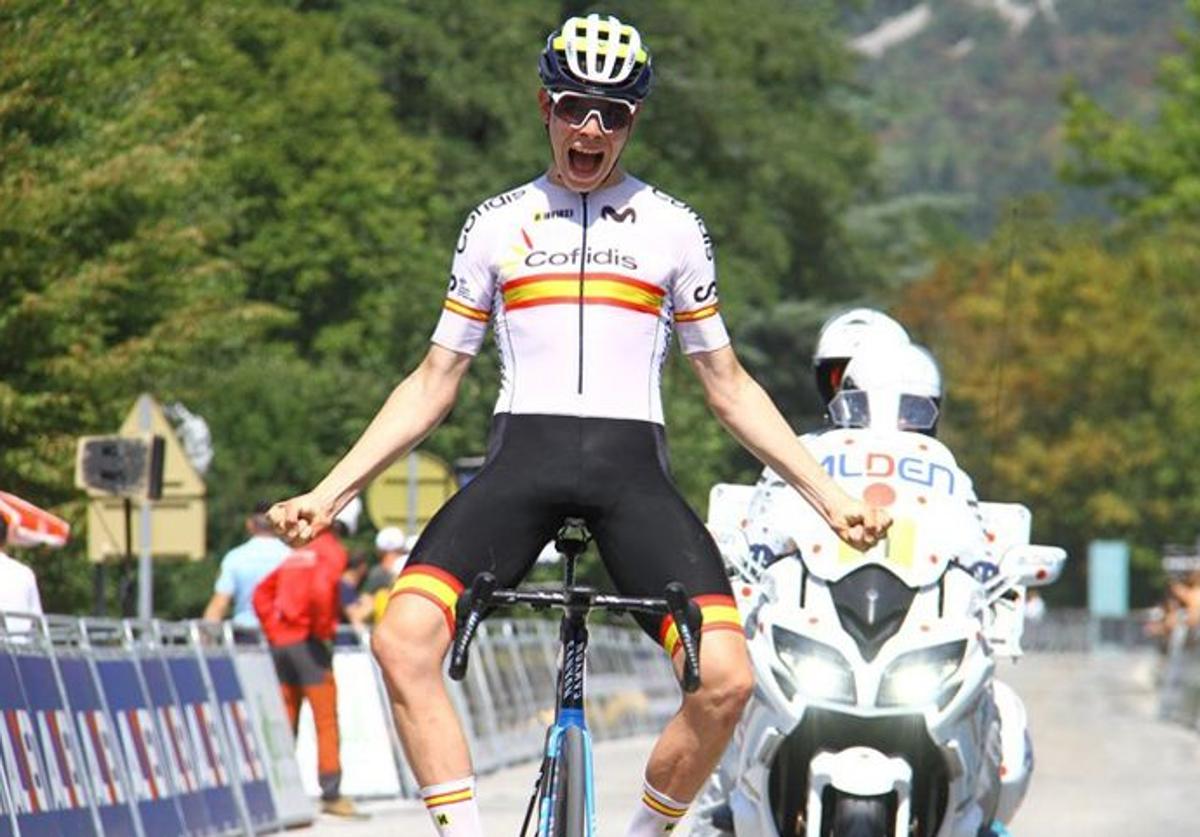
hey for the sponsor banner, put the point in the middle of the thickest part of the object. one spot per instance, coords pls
(368, 762)
(97, 741)
(177, 744)
(8, 823)
(199, 724)
(20, 753)
(268, 717)
(247, 762)
(66, 784)
(138, 739)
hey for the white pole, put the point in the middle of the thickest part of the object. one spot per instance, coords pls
(145, 560)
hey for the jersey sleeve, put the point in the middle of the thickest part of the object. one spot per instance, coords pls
(694, 291)
(467, 306)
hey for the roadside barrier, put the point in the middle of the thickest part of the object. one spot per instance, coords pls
(124, 728)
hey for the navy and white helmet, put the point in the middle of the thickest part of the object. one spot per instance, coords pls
(600, 56)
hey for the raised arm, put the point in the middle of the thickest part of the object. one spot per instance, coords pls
(747, 412)
(415, 407)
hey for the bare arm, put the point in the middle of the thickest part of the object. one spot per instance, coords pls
(748, 413)
(416, 406)
(218, 606)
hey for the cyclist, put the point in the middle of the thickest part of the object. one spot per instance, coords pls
(582, 273)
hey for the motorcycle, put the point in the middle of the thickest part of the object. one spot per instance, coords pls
(875, 712)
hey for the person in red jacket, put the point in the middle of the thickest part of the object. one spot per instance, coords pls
(298, 606)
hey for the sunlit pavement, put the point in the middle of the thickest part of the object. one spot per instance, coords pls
(1105, 766)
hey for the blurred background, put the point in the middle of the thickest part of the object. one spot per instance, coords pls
(247, 208)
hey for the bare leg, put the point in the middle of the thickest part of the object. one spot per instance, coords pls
(693, 741)
(410, 644)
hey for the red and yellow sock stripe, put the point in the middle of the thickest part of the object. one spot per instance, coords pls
(720, 614)
(431, 583)
(449, 798)
(698, 314)
(611, 289)
(466, 310)
(662, 808)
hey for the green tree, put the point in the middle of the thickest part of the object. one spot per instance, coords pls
(1067, 388)
(222, 178)
(1151, 172)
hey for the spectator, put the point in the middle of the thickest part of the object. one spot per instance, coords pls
(18, 585)
(242, 568)
(298, 607)
(392, 547)
(356, 607)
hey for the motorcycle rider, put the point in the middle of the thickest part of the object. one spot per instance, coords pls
(885, 385)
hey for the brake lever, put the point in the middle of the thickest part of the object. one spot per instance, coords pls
(688, 621)
(469, 612)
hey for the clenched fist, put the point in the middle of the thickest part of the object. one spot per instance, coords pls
(860, 525)
(300, 519)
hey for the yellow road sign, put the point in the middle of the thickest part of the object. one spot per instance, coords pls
(410, 491)
(177, 521)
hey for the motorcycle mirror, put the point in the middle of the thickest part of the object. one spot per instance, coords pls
(1033, 565)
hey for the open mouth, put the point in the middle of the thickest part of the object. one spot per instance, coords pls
(584, 164)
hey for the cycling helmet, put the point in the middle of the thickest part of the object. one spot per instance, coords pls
(598, 56)
(842, 335)
(888, 386)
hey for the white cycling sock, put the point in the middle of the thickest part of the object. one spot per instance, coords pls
(657, 815)
(453, 809)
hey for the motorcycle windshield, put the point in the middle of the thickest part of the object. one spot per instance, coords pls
(916, 479)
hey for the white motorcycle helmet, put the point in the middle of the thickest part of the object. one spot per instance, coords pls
(845, 334)
(890, 387)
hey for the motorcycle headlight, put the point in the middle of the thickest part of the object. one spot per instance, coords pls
(919, 677)
(816, 669)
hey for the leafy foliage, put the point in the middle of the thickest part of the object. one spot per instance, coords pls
(1152, 172)
(1067, 389)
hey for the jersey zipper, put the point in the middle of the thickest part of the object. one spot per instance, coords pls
(582, 268)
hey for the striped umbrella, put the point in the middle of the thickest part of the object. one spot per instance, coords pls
(29, 525)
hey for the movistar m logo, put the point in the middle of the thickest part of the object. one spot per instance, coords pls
(619, 215)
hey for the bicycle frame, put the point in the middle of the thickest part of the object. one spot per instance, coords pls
(576, 603)
(569, 710)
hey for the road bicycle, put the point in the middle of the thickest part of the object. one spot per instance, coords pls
(564, 795)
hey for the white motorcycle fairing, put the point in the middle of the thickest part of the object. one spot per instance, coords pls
(876, 659)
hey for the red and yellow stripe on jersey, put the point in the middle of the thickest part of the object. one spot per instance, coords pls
(598, 289)
(438, 586)
(466, 310)
(449, 798)
(720, 614)
(698, 314)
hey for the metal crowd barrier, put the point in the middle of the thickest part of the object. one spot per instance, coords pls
(154, 729)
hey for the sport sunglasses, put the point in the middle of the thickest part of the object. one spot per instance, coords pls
(576, 108)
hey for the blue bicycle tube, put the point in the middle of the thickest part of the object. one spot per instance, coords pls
(549, 803)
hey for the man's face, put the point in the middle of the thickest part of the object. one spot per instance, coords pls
(587, 135)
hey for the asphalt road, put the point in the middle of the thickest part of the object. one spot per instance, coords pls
(1105, 766)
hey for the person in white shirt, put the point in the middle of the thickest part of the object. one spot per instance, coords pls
(18, 584)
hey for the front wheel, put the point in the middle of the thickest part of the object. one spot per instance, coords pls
(861, 816)
(567, 795)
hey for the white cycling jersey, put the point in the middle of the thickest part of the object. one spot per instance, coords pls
(582, 291)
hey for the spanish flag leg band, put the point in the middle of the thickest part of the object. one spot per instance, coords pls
(658, 807)
(431, 583)
(449, 798)
(720, 614)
